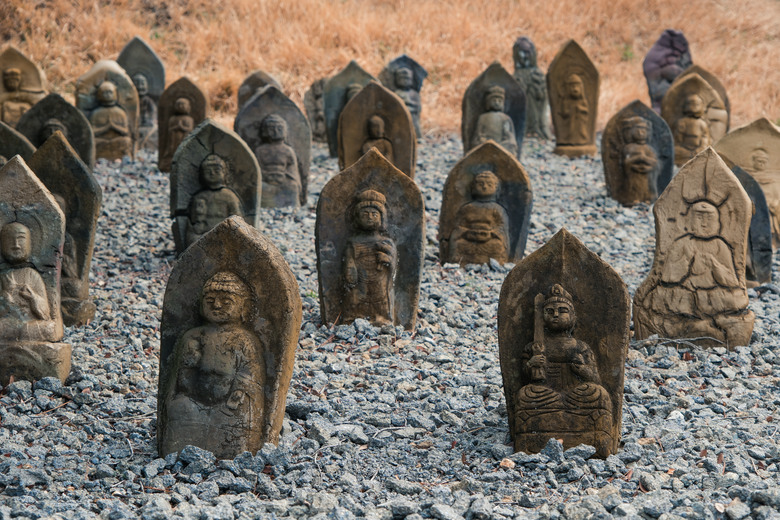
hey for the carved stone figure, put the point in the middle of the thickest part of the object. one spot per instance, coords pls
(758, 266)
(107, 96)
(14, 143)
(666, 59)
(719, 117)
(531, 78)
(147, 122)
(573, 84)
(486, 208)
(637, 150)
(23, 84)
(148, 73)
(278, 132)
(231, 318)
(405, 77)
(696, 288)
(376, 117)
(494, 109)
(369, 242)
(79, 196)
(31, 236)
(254, 83)
(182, 107)
(214, 175)
(53, 113)
(339, 89)
(563, 325)
(314, 104)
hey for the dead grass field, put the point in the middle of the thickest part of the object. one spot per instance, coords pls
(300, 41)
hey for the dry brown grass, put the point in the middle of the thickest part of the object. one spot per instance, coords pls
(300, 41)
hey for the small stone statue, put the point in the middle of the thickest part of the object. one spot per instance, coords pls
(574, 111)
(182, 107)
(377, 139)
(314, 104)
(147, 122)
(278, 164)
(110, 124)
(666, 59)
(692, 133)
(338, 91)
(254, 83)
(531, 78)
(23, 84)
(405, 77)
(493, 124)
(180, 124)
(147, 71)
(214, 202)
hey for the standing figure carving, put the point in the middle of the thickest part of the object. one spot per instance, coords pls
(574, 111)
(182, 107)
(180, 124)
(314, 104)
(494, 124)
(214, 202)
(531, 78)
(147, 117)
(377, 138)
(278, 164)
(692, 133)
(405, 77)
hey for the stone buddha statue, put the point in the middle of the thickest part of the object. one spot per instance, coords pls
(692, 132)
(147, 106)
(15, 101)
(494, 123)
(113, 139)
(639, 161)
(575, 111)
(278, 164)
(180, 124)
(214, 202)
(403, 80)
(532, 79)
(377, 138)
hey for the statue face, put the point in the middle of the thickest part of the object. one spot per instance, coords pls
(558, 316)
(369, 218)
(106, 94)
(273, 129)
(524, 58)
(495, 102)
(759, 160)
(484, 185)
(706, 222)
(694, 106)
(182, 106)
(12, 79)
(376, 127)
(574, 87)
(15, 243)
(221, 307)
(141, 84)
(403, 78)
(212, 172)
(51, 126)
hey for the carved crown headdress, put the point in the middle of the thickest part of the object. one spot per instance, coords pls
(558, 294)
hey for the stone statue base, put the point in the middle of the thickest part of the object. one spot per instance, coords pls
(77, 313)
(33, 360)
(722, 330)
(572, 427)
(572, 150)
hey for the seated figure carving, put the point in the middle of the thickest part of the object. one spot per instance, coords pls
(639, 162)
(692, 133)
(109, 122)
(278, 165)
(377, 138)
(575, 112)
(494, 123)
(15, 101)
(214, 202)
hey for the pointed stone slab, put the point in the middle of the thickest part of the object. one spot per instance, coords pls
(665, 61)
(14, 143)
(573, 113)
(410, 95)
(514, 195)
(243, 174)
(127, 97)
(253, 83)
(32, 87)
(59, 167)
(404, 225)
(636, 172)
(602, 307)
(36, 125)
(137, 57)
(696, 287)
(715, 83)
(271, 100)
(758, 269)
(473, 105)
(336, 90)
(532, 80)
(170, 138)
(267, 338)
(30, 336)
(353, 134)
(314, 104)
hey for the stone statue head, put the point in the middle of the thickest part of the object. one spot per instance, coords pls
(636, 129)
(182, 106)
(370, 211)
(376, 127)
(12, 79)
(694, 106)
(524, 52)
(106, 94)
(759, 159)
(558, 308)
(485, 185)
(141, 84)
(404, 77)
(51, 126)
(705, 220)
(273, 129)
(225, 299)
(15, 243)
(352, 90)
(575, 88)
(213, 171)
(494, 99)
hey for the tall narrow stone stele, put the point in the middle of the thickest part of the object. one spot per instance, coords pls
(53, 113)
(21, 86)
(573, 85)
(182, 107)
(339, 89)
(314, 104)
(669, 56)
(107, 96)
(13, 143)
(147, 71)
(493, 108)
(369, 240)
(405, 77)
(214, 176)
(756, 149)
(758, 267)
(279, 135)
(230, 324)
(532, 79)
(485, 209)
(637, 150)
(32, 230)
(79, 196)
(563, 325)
(696, 287)
(377, 118)
(253, 83)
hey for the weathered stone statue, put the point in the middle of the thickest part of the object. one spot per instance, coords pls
(214, 176)
(53, 113)
(369, 242)
(758, 265)
(377, 118)
(147, 122)
(563, 325)
(314, 104)
(405, 77)
(231, 318)
(182, 107)
(14, 143)
(494, 109)
(79, 196)
(32, 230)
(637, 150)
(253, 83)
(696, 288)
(107, 96)
(573, 84)
(719, 117)
(278, 132)
(486, 208)
(338, 91)
(23, 84)
(666, 59)
(531, 78)
(148, 73)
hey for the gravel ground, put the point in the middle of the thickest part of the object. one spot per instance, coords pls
(388, 423)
